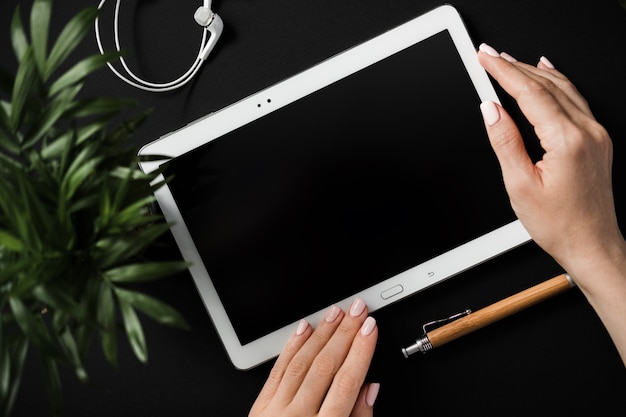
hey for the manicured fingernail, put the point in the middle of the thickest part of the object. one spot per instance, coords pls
(372, 393)
(302, 326)
(358, 306)
(368, 326)
(332, 313)
(508, 57)
(488, 50)
(491, 114)
(545, 61)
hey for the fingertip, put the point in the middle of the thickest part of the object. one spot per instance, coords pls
(489, 50)
(364, 406)
(368, 326)
(508, 57)
(490, 112)
(303, 325)
(545, 63)
(372, 393)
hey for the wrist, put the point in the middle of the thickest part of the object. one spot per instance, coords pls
(599, 271)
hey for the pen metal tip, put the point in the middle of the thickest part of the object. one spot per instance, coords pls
(408, 351)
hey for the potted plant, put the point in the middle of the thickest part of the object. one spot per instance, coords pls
(74, 223)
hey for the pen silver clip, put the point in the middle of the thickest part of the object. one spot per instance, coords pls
(423, 344)
(437, 323)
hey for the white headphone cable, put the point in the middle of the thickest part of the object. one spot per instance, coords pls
(206, 46)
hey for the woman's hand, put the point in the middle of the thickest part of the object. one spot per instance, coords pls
(321, 372)
(565, 200)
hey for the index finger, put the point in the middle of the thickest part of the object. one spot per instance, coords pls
(539, 103)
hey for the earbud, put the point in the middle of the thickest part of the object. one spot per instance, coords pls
(203, 16)
(212, 29)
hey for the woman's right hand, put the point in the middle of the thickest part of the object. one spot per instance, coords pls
(565, 200)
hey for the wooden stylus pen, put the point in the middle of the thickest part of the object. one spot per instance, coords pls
(471, 321)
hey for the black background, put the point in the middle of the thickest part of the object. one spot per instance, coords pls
(555, 358)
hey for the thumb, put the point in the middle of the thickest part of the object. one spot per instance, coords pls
(506, 141)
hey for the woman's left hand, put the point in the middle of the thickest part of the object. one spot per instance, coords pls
(321, 372)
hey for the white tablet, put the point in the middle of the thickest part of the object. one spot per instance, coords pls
(368, 175)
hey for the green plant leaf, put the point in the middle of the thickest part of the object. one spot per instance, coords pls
(143, 272)
(100, 106)
(69, 344)
(121, 192)
(18, 36)
(79, 71)
(39, 25)
(106, 318)
(25, 78)
(53, 383)
(12, 358)
(58, 146)
(115, 250)
(56, 109)
(125, 129)
(13, 270)
(134, 331)
(157, 310)
(10, 242)
(34, 329)
(132, 213)
(81, 167)
(5, 110)
(7, 144)
(59, 300)
(71, 35)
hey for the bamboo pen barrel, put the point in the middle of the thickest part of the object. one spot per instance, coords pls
(500, 310)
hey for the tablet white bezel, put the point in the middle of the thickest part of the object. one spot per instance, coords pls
(266, 101)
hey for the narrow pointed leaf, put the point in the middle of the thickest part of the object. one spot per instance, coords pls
(100, 106)
(34, 328)
(116, 250)
(69, 343)
(106, 318)
(81, 70)
(18, 36)
(144, 271)
(11, 365)
(53, 383)
(134, 331)
(72, 34)
(157, 310)
(10, 242)
(59, 300)
(39, 25)
(55, 111)
(24, 80)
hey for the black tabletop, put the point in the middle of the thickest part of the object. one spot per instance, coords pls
(553, 359)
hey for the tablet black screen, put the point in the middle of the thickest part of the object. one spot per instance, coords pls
(342, 189)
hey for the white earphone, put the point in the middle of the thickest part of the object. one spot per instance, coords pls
(212, 29)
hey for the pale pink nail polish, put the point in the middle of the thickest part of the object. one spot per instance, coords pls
(368, 326)
(490, 112)
(545, 61)
(508, 57)
(302, 326)
(372, 393)
(358, 306)
(488, 50)
(332, 313)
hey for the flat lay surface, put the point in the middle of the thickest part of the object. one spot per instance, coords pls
(554, 358)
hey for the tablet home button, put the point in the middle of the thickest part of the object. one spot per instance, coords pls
(392, 291)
